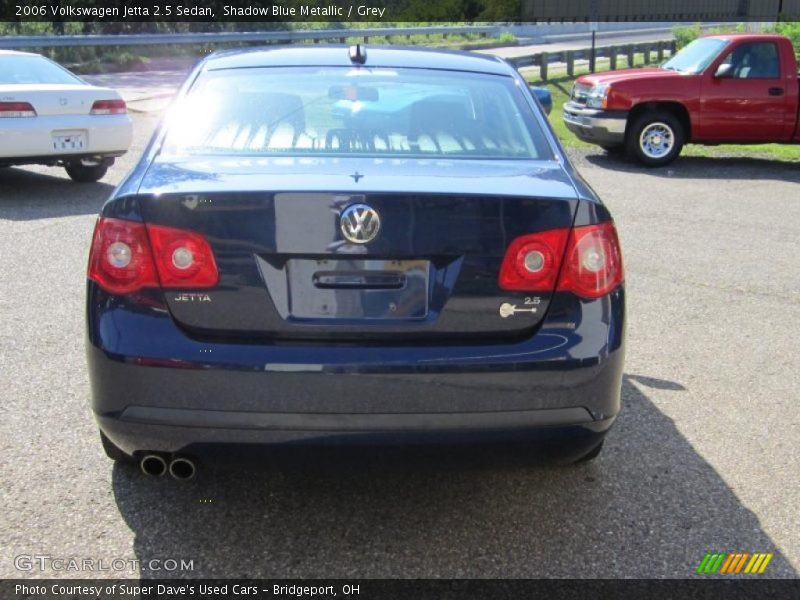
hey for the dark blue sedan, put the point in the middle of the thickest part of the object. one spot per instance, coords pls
(330, 244)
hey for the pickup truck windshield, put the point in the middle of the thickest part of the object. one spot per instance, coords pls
(373, 112)
(696, 56)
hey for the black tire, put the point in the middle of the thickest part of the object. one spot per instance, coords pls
(592, 454)
(655, 138)
(83, 173)
(112, 451)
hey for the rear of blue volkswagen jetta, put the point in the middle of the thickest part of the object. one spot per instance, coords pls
(323, 245)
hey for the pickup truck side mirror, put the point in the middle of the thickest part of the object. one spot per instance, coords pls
(724, 71)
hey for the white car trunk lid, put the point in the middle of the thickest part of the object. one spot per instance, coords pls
(60, 99)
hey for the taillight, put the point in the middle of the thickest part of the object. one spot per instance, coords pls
(593, 261)
(183, 258)
(584, 260)
(109, 107)
(532, 261)
(127, 256)
(120, 260)
(16, 109)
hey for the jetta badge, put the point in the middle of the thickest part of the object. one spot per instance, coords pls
(360, 223)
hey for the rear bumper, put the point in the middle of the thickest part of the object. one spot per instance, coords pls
(178, 393)
(30, 140)
(148, 428)
(600, 127)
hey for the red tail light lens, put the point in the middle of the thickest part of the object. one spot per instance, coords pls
(109, 107)
(120, 260)
(12, 110)
(183, 258)
(127, 256)
(593, 262)
(532, 262)
(587, 258)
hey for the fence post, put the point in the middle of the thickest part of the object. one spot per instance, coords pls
(673, 47)
(612, 57)
(660, 52)
(647, 54)
(543, 58)
(570, 63)
(631, 54)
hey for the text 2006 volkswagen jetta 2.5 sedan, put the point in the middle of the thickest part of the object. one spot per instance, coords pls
(330, 244)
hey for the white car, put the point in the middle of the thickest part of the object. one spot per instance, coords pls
(49, 116)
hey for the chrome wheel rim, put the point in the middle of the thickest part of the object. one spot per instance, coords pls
(657, 140)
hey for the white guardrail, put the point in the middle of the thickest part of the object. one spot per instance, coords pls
(222, 37)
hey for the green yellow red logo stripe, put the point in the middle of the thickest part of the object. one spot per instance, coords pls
(732, 563)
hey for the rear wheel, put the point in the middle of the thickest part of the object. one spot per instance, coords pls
(87, 171)
(112, 451)
(656, 138)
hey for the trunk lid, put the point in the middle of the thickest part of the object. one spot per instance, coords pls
(57, 99)
(287, 270)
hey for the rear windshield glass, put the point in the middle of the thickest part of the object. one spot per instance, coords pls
(355, 111)
(32, 70)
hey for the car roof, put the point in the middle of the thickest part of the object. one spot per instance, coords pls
(337, 56)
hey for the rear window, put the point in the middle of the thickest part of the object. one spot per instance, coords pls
(355, 111)
(22, 69)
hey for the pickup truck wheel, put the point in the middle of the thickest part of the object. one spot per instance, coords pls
(656, 139)
(86, 172)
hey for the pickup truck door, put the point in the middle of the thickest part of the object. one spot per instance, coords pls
(744, 97)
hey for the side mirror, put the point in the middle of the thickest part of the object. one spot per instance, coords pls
(543, 96)
(724, 71)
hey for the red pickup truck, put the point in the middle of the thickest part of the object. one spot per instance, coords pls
(731, 89)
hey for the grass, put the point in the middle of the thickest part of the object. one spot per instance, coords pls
(560, 84)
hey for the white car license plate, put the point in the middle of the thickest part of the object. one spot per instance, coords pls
(69, 141)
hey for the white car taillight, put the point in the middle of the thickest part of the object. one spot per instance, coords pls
(13, 110)
(109, 107)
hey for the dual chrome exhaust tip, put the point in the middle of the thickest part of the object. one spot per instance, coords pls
(180, 468)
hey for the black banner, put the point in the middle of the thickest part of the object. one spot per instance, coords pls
(406, 589)
(394, 11)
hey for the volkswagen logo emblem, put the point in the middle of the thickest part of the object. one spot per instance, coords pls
(360, 223)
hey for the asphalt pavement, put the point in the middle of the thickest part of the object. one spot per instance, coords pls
(703, 458)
